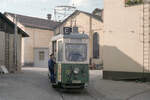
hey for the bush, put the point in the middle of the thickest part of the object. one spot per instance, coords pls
(133, 2)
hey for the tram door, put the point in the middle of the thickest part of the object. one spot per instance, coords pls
(54, 45)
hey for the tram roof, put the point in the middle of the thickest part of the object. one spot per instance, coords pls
(71, 36)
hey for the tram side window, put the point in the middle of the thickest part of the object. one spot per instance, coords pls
(60, 51)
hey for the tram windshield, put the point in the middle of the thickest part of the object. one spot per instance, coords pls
(76, 52)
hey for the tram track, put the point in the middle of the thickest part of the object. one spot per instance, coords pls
(92, 96)
(92, 92)
(89, 93)
(62, 97)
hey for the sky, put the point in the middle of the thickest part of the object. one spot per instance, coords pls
(40, 8)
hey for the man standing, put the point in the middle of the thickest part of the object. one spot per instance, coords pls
(51, 64)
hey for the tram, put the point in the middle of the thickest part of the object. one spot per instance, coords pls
(72, 59)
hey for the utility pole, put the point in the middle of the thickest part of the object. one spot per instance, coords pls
(15, 43)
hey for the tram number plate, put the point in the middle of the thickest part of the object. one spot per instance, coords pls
(76, 81)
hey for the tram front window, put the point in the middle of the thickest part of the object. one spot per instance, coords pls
(76, 52)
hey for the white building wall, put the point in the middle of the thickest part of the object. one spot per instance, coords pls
(39, 38)
(123, 47)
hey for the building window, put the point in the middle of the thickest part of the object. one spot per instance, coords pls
(95, 45)
(60, 51)
(133, 2)
(41, 55)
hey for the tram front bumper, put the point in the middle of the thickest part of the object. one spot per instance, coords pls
(74, 86)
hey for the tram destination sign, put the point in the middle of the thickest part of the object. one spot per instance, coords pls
(67, 30)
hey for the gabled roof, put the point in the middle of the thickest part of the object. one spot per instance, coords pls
(78, 12)
(94, 16)
(97, 10)
(20, 31)
(35, 22)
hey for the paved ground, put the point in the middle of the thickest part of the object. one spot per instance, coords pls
(120, 90)
(33, 84)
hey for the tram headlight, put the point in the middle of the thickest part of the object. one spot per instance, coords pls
(76, 71)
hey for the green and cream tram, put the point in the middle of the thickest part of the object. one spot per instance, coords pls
(72, 60)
